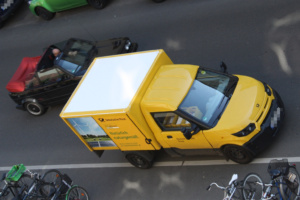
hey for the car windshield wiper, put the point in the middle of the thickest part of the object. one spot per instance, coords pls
(221, 109)
(229, 90)
(77, 69)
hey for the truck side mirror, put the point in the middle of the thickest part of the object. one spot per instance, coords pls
(188, 133)
(223, 67)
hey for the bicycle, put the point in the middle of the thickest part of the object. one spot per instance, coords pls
(68, 191)
(284, 179)
(53, 185)
(43, 187)
(14, 182)
(231, 189)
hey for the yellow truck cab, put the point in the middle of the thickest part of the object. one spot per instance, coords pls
(141, 102)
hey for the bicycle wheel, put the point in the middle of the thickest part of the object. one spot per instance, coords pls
(253, 187)
(47, 190)
(77, 193)
(289, 186)
(52, 181)
(54, 177)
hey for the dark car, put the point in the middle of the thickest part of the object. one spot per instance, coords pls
(7, 8)
(42, 81)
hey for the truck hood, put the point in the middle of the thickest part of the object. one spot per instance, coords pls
(244, 106)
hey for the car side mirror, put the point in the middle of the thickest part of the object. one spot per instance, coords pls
(188, 133)
(223, 67)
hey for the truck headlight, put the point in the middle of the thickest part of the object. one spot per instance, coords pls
(267, 89)
(29, 2)
(246, 131)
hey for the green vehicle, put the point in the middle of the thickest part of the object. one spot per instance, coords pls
(46, 9)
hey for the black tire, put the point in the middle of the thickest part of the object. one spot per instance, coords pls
(77, 192)
(139, 160)
(253, 187)
(289, 186)
(34, 108)
(237, 154)
(54, 177)
(44, 14)
(158, 1)
(98, 4)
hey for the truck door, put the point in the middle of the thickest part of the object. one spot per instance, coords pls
(171, 123)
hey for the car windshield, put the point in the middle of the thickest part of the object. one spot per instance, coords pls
(75, 56)
(207, 97)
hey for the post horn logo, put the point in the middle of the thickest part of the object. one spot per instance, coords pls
(101, 119)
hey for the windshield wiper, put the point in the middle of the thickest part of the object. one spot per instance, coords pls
(228, 92)
(221, 109)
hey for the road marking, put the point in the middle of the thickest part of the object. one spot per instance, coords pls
(157, 164)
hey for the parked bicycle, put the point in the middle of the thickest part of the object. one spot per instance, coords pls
(284, 183)
(43, 187)
(68, 191)
(14, 182)
(22, 184)
(231, 192)
(52, 186)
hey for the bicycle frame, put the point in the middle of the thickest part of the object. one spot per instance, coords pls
(267, 195)
(9, 187)
(274, 183)
(58, 192)
(37, 183)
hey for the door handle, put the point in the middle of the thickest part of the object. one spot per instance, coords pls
(169, 136)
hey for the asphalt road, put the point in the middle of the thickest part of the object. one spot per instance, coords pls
(255, 38)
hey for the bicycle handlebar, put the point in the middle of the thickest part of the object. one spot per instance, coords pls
(220, 187)
(33, 175)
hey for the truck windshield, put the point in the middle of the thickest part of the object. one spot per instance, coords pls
(207, 97)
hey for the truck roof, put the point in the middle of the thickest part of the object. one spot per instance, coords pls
(111, 82)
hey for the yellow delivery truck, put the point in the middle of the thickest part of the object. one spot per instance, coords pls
(141, 102)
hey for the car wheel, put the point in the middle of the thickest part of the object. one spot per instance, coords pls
(98, 4)
(158, 1)
(44, 14)
(237, 154)
(35, 108)
(139, 160)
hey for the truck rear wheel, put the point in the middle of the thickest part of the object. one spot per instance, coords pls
(142, 160)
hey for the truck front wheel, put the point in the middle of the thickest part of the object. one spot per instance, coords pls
(237, 154)
(142, 160)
